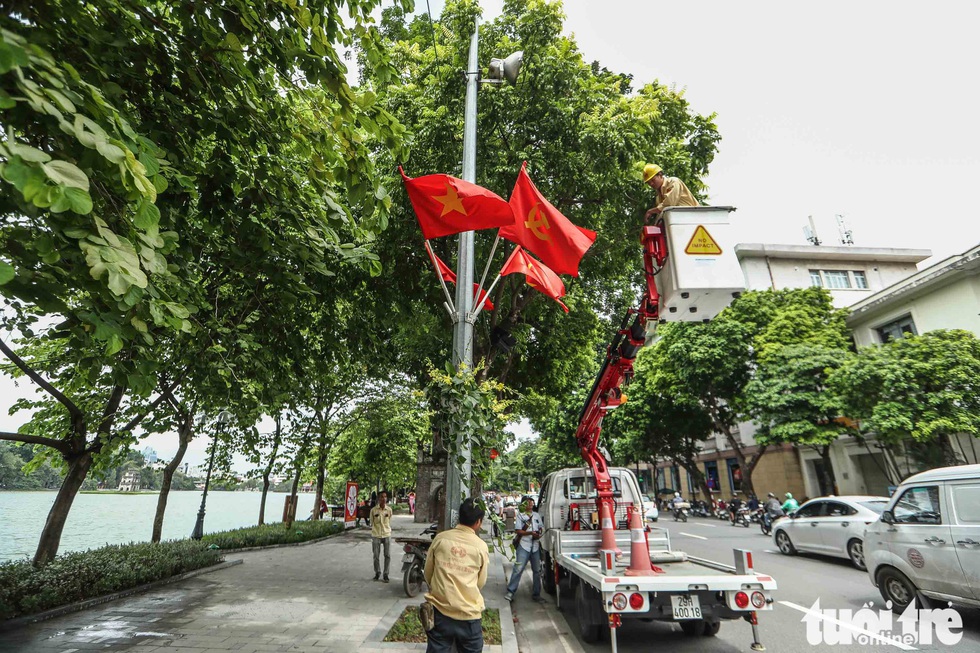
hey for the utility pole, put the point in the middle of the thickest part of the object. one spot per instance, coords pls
(458, 488)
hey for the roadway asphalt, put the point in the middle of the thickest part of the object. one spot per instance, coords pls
(802, 579)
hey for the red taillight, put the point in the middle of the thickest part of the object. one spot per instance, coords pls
(636, 600)
(758, 600)
(407, 548)
(619, 601)
(742, 600)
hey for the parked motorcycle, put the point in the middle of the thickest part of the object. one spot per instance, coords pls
(413, 562)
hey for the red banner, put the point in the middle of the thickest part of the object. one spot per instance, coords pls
(350, 505)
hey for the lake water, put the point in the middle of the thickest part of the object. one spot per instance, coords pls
(99, 519)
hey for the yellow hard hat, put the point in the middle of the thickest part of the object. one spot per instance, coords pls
(650, 171)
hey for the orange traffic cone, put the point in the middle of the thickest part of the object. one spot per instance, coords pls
(608, 529)
(640, 564)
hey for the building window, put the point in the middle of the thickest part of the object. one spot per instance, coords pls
(896, 329)
(860, 280)
(837, 279)
(815, 280)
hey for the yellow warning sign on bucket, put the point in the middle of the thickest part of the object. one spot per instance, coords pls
(702, 243)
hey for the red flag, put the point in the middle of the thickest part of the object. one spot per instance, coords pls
(450, 277)
(541, 228)
(446, 205)
(538, 275)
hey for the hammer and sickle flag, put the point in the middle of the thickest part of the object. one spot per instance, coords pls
(445, 205)
(539, 276)
(541, 228)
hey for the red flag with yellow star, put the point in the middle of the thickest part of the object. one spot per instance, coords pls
(541, 228)
(539, 276)
(446, 205)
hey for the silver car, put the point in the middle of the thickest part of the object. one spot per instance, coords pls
(833, 526)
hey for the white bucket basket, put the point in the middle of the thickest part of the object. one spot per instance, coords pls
(702, 274)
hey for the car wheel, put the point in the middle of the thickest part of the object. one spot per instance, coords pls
(785, 544)
(855, 551)
(897, 588)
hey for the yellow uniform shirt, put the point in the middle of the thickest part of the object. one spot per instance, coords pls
(456, 569)
(674, 193)
(381, 521)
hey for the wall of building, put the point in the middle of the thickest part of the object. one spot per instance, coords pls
(780, 273)
(954, 306)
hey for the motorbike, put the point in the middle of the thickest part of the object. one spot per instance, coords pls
(755, 516)
(742, 517)
(766, 522)
(680, 511)
(413, 562)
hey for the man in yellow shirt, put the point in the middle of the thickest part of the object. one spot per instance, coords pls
(381, 534)
(456, 569)
(671, 191)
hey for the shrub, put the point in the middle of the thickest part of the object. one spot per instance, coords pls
(269, 534)
(84, 575)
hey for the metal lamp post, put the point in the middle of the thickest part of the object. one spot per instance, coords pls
(463, 320)
(224, 417)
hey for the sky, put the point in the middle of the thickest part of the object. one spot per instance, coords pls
(864, 109)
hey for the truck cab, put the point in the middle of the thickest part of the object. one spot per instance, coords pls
(567, 499)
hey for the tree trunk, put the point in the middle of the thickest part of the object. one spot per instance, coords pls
(321, 464)
(828, 478)
(294, 493)
(47, 546)
(185, 435)
(268, 469)
(699, 477)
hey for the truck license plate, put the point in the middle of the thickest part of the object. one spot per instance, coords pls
(685, 606)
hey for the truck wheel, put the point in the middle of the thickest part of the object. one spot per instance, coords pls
(548, 575)
(692, 627)
(588, 629)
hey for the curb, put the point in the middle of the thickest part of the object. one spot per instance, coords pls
(508, 632)
(20, 622)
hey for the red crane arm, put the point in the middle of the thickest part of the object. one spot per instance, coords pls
(617, 369)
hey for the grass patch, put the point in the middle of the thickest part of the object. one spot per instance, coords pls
(85, 575)
(270, 534)
(408, 628)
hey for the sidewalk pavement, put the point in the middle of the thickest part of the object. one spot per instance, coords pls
(318, 598)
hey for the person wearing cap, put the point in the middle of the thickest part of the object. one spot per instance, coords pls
(791, 504)
(671, 191)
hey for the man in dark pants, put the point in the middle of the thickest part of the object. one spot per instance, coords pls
(456, 569)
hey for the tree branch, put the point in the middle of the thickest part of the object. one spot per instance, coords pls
(59, 445)
(76, 415)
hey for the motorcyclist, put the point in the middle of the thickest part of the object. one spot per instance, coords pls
(773, 507)
(791, 504)
(733, 507)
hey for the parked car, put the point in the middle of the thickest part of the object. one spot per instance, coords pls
(650, 512)
(832, 526)
(927, 544)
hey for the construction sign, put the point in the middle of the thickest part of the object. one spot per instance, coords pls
(702, 243)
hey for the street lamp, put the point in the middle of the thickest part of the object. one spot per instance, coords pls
(224, 418)
(500, 70)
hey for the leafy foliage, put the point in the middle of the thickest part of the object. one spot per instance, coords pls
(272, 534)
(926, 388)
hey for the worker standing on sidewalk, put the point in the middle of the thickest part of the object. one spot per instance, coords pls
(671, 191)
(529, 528)
(456, 569)
(381, 534)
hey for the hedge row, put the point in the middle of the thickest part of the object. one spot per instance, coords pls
(85, 575)
(77, 576)
(270, 534)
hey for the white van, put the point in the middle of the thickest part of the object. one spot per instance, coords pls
(927, 543)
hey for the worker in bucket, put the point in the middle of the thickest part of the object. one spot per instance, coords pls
(671, 191)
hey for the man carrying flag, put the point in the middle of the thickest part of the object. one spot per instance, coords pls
(541, 228)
